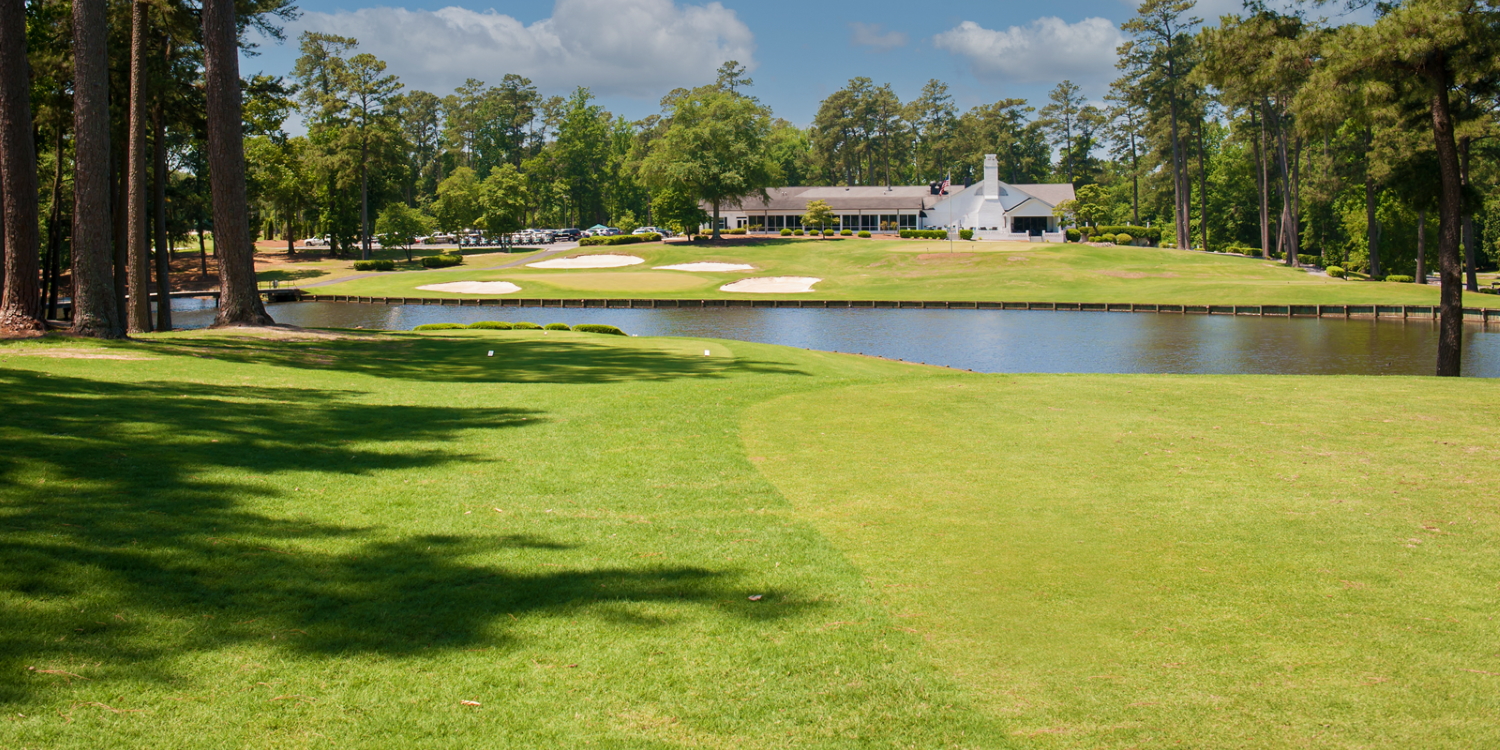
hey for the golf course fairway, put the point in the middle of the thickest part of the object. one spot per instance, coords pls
(353, 539)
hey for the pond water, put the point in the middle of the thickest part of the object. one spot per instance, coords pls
(984, 340)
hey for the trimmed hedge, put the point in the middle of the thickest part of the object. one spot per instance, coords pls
(1336, 272)
(490, 325)
(557, 327)
(786, 233)
(620, 239)
(1104, 238)
(1074, 235)
(923, 234)
(738, 230)
(1308, 260)
(1400, 278)
(1152, 234)
(441, 327)
(598, 328)
(846, 232)
(524, 326)
(966, 234)
(798, 232)
(828, 232)
(864, 234)
(374, 265)
(1123, 239)
(442, 261)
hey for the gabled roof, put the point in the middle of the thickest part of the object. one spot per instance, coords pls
(1051, 194)
(908, 197)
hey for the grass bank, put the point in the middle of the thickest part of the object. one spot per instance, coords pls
(917, 270)
(211, 539)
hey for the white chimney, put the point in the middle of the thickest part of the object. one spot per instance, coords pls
(991, 176)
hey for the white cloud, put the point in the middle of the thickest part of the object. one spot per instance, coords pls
(640, 48)
(872, 35)
(1046, 51)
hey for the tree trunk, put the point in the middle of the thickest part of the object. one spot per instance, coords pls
(94, 311)
(1471, 272)
(163, 242)
(1422, 246)
(239, 300)
(1264, 177)
(364, 200)
(716, 221)
(1450, 218)
(121, 227)
(202, 254)
(54, 225)
(1202, 186)
(1289, 224)
(21, 302)
(1372, 223)
(137, 241)
(1180, 185)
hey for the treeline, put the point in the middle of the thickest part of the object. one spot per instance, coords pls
(1372, 146)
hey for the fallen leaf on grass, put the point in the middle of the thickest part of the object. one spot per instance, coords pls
(756, 597)
(469, 703)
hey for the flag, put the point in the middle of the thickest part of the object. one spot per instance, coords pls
(946, 184)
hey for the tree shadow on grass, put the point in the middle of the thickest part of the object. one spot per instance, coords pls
(126, 541)
(464, 359)
(297, 274)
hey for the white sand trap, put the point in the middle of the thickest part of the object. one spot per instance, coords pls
(772, 285)
(589, 261)
(707, 267)
(473, 287)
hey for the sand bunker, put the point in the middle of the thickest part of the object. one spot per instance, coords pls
(772, 285)
(707, 267)
(589, 261)
(473, 287)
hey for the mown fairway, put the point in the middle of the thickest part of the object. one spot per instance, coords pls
(220, 540)
(916, 270)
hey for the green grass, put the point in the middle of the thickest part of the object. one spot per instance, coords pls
(311, 267)
(222, 540)
(920, 270)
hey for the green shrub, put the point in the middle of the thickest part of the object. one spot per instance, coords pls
(740, 230)
(966, 234)
(442, 261)
(374, 265)
(620, 239)
(786, 233)
(828, 232)
(1400, 278)
(557, 327)
(924, 234)
(864, 234)
(441, 327)
(1253, 252)
(598, 328)
(1074, 235)
(1105, 238)
(798, 232)
(490, 325)
(1123, 239)
(846, 232)
(524, 326)
(1336, 272)
(1309, 260)
(1152, 235)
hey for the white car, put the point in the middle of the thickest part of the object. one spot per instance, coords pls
(315, 242)
(653, 230)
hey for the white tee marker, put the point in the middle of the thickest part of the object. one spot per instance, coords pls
(492, 352)
(706, 353)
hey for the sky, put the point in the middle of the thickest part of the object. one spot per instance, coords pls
(631, 52)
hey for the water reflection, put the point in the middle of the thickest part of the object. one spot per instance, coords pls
(985, 340)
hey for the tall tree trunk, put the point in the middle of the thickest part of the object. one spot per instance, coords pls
(202, 253)
(1471, 272)
(1372, 222)
(1135, 181)
(1180, 185)
(54, 224)
(1289, 223)
(1450, 218)
(121, 228)
(94, 309)
(364, 199)
(138, 246)
(1264, 177)
(21, 302)
(1202, 186)
(1422, 246)
(163, 242)
(239, 300)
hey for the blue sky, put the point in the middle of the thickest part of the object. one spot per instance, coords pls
(630, 52)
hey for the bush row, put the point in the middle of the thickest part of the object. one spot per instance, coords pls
(442, 261)
(1152, 234)
(620, 239)
(497, 325)
(1400, 278)
(923, 234)
(374, 265)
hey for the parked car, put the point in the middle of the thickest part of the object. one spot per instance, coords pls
(653, 230)
(568, 235)
(315, 242)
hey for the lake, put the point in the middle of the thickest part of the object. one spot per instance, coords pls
(1012, 341)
